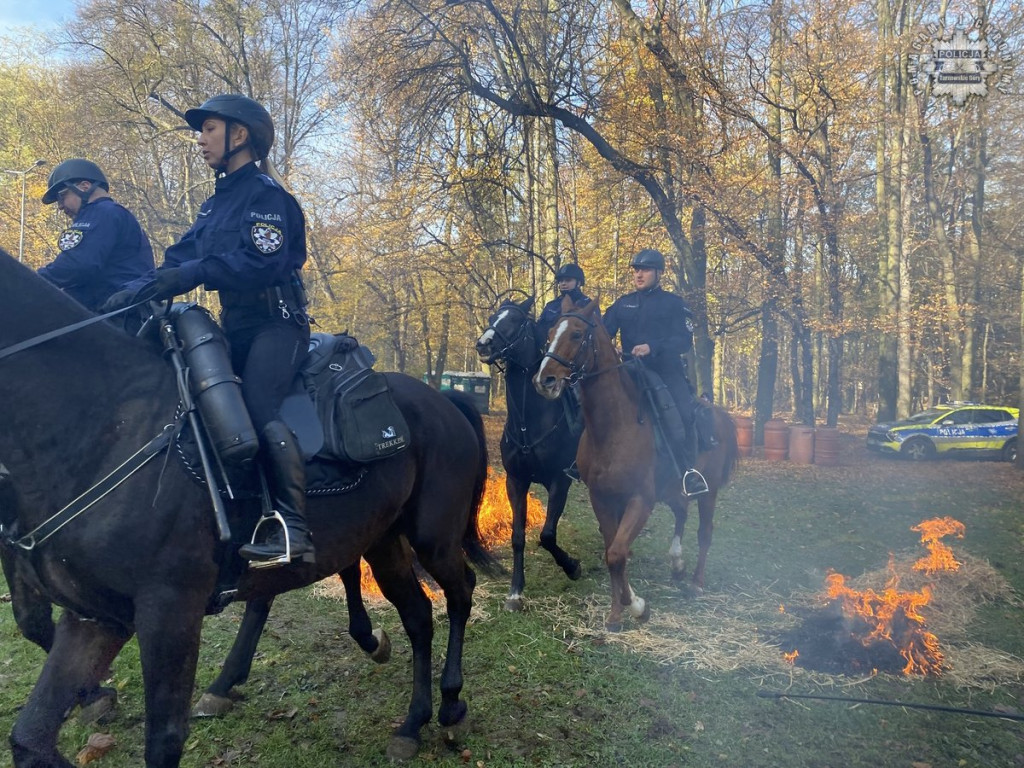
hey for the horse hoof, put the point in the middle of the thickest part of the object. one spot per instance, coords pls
(613, 626)
(383, 653)
(454, 735)
(210, 705)
(575, 573)
(514, 604)
(100, 710)
(402, 748)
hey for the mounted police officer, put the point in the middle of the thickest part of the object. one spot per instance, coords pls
(105, 247)
(570, 280)
(657, 328)
(248, 243)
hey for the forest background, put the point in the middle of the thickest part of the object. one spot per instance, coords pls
(849, 241)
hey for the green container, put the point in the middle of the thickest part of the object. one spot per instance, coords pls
(475, 384)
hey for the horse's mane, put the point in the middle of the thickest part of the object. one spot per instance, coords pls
(30, 306)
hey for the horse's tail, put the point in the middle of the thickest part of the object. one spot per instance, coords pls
(725, 432)
(471, 543)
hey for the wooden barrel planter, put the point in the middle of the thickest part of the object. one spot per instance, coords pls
(801, 444)
(826, 447)
(745, 435)
(776, 440)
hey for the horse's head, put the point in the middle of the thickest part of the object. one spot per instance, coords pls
(572, 349)
(509, 336)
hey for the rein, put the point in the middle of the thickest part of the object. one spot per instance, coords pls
(119, 475)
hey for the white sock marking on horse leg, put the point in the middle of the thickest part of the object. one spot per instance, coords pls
(636, 604)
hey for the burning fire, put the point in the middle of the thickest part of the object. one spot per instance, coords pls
(494, 522)
(940, 557)
(891, 617)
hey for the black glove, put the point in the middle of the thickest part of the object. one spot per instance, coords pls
(168, 283)
(117, 301)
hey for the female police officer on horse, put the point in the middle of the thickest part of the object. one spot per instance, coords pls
(248, 243)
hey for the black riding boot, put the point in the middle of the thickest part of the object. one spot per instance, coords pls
(286, 475)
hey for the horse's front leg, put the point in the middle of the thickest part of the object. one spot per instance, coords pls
(81, 654)
(216, 700)
(168, 625)
(558, 493)
(638, 510)
(517, 491)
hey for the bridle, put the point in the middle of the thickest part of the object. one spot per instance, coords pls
(507, 353)
(583, 365)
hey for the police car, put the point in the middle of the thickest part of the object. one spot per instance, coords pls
(951, 429)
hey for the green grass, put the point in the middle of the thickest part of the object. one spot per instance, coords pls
(543, 692)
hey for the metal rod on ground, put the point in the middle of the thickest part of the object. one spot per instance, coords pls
(887, 703)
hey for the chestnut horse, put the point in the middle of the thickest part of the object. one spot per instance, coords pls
(616, 457)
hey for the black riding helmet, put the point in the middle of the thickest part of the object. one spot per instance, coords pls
(69, 172)
(570, 271)
(649, 258)
(235, 108)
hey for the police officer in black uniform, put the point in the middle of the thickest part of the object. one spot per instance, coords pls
(105, 247)
(657, 327)
(570, 280)
(248, 243)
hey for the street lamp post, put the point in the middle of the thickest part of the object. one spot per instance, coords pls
(23, 174)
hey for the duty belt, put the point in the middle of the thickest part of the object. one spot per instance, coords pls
(275, 299)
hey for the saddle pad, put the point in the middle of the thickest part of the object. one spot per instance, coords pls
(367, 424)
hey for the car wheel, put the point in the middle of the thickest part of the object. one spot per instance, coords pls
(1010, 450)
(918, 449)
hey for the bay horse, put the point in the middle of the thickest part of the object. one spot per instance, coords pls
(616, 456)
(138, 557)
(537, 444)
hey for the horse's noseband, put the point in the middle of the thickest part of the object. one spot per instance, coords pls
(578, 367)
(508, 352)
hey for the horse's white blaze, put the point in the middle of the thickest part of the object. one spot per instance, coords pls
(488, 336)
(559, 330)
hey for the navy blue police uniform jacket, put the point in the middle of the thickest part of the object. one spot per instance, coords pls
(248, 237)
(553, 309)
(657, 318)
(103, 250)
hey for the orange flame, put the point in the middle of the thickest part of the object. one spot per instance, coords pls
(940, 556)
(494, 523)
(892, 616)
(791, 657)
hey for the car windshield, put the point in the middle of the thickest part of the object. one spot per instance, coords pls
(926, 417)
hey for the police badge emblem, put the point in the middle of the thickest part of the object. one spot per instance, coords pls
(267, 238)
(69, 238)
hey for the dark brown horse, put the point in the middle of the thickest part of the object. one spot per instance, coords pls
(139, 555)
(537, 443)
(616, 456)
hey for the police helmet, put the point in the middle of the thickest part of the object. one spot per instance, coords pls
(235, 108)
(570, 271)
(648, 258)
(71, 171)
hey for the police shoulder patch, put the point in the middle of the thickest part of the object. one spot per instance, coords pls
(69, 238)
(266, 237)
